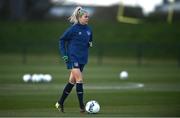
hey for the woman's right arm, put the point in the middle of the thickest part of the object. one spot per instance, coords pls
(63, 40)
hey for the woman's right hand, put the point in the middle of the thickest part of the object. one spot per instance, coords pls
(65, 58)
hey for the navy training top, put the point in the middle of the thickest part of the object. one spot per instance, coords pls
(74, 43)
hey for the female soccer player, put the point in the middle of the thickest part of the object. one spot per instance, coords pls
(73, 45)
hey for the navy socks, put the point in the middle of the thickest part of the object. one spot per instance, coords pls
(79, 90)
(66, 92)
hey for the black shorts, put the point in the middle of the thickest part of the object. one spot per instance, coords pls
(71, 65)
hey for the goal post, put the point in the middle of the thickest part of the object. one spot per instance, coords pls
(126, 19)
(170, 11)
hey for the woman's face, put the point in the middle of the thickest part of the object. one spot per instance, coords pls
(84, 19)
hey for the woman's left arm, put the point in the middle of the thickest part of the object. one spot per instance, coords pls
(91, 39)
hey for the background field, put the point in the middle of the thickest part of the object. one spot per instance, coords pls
(159, 96)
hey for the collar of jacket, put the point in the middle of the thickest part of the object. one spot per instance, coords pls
(81, 26)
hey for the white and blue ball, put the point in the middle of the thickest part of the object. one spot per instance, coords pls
(92, 107)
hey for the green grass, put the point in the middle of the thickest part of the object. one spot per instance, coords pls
(159, 97)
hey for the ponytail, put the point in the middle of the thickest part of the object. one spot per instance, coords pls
(78, 12)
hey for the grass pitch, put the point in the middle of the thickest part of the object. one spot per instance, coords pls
(151, 90)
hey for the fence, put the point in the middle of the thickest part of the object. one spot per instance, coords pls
(101, 50)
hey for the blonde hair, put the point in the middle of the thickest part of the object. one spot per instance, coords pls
(78, 12)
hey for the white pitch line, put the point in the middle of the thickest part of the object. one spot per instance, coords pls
(116, 87)
(26, 86)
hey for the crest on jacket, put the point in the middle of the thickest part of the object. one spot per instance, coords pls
(80, 33)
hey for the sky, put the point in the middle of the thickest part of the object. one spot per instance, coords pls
(147, 5)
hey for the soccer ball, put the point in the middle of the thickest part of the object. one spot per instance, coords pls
(123, 75)
(92, 106)
(26, 77)
(47, 78)
(35, 78)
